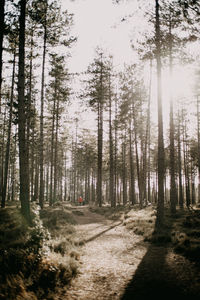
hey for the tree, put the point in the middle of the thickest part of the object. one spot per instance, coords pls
(58, 94)
(23, 158)
(2, 26)
(4, 192)
(161, 155)
(97, 91)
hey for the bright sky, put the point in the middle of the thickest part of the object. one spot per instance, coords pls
(98, 23)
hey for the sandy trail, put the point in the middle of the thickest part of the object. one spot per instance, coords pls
(109, 258)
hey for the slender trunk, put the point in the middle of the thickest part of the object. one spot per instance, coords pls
(193, 194)
(29, 103)
(138, 166)
(161, 156)
(23, 158)
(52, 154)
(173, 195)
(2, 26)
(32, 163)
(124, 178)
(2, 154)
(9, 136)
(36, 181)
(41, 195)
(149, 137)
(13, 180)
(198, 137)
(111, 181)
(187, 181)
(115, 157)
(56, 153)
(132, 170)
(100, 142)
(180, 167)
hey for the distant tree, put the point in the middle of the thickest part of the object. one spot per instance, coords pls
(97, 95)
(58, 94)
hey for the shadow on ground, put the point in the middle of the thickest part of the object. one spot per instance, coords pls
(161, 274)
(102, 232)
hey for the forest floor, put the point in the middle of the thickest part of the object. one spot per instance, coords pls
(117, 263)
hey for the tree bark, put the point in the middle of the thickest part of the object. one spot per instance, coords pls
(173, 194)
(111, 180)
(2, 26)
(23, 158)
(41, 193)
(161, 156)
(9, 136)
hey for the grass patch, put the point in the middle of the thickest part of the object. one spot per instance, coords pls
(77, 212)
(140, 221)
(33, 264)
(111, 213)
(186, 235)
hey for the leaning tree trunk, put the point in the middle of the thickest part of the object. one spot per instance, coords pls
(23, 158)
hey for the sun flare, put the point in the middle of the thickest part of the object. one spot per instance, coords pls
(179, 84)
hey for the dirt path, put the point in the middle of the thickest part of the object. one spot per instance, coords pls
(117, 264)
(109, 258)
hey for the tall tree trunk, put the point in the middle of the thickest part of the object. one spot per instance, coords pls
(161, 156)
(149, 137)
(180, 166)
(115, 157)
(2, 153)
(2, 26)
(132, 170)
(138, 165)
(41, 194)
(100, 143)
(9, 136)
(173, 194)
(198, 137)
(36, 181)
(13, 180)
(185, 155)
(124, 173)
(29, 101)
(23, 158)
(52, 154)
(111, 180)
(56, 152)
(193, 194)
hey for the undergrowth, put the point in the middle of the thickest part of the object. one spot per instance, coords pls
(180, 231)
(36, 260)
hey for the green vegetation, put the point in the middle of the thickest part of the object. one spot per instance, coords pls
(35, 261)
(180, 231)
